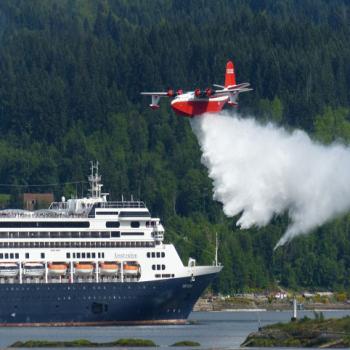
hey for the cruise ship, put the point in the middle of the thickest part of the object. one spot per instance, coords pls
(90, 261)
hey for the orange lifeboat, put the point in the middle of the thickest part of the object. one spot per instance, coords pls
(109, 268)
(131, 268)
(57, 269)
(84, 268)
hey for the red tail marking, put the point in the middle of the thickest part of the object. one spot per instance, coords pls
(230, 76)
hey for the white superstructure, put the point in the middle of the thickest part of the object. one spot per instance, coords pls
(89, 240)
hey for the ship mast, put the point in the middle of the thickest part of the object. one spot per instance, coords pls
(94, 180)
(216, 249)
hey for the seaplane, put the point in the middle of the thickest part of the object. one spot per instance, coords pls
(210, 100)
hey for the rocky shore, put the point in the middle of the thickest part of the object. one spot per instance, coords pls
(317, 333)
(239, 303)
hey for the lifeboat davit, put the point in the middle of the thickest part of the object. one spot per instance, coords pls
(34, 269)
(84, 268)
(131, 268)
(57, 269)
(8, 269)
(109, 268)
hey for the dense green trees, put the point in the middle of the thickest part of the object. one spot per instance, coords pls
(70, 76)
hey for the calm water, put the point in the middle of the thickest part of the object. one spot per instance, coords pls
(213, 330)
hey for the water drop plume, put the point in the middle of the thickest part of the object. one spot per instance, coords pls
(260, 171)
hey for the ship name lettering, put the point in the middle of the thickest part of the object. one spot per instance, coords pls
(126, 256)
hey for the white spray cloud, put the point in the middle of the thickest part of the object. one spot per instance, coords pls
(262, 170)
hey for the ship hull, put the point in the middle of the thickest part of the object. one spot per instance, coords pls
(167, 301)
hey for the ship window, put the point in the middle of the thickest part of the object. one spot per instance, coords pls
(134, 214)
(106, 234)
(114, 224)
(163, 255)
(43, 234)
(135, 224)
(99, 255)
(75, 234)
(148, 255)
(95, 234)
(42, 255)
(93, 255)
(65, 235)
(163, 267)
(153, 267)
(3, 234)
(53, 224)
(158, 254)
(1, 255)
(68, 255)
(23, 234)
(88, 255)
(85, 234)
(6, 255)
(157, 275)
(78, 255)
(54, 234)
(11, 256)
(83, 255)
(106, 213)
(16, 256)
(132, 233)
(103, 255)
(153, 254)
(116, 234)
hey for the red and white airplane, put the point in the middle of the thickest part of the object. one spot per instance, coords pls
(198, 102)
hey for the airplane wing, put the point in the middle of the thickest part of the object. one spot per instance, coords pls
(155, 97)
(161, 94)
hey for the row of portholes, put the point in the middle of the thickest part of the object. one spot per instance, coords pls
(155, 255)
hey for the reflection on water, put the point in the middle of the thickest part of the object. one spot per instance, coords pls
(213, 330)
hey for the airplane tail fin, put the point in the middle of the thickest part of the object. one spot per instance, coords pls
(230, 76)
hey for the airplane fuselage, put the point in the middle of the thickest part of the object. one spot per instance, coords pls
(189, 105)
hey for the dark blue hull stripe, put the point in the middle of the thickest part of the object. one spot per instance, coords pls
(155, 302)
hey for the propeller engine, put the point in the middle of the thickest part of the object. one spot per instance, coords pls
(209, 92)
(197, 92)
(170, 93)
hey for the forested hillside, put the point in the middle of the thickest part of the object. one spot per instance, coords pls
(70, 76)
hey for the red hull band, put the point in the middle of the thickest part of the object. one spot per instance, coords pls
(193, 108)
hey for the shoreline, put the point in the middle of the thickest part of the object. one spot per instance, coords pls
(254, 305)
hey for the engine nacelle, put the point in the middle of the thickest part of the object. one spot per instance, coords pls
(197, 92)
(170, 93)
(209, 92)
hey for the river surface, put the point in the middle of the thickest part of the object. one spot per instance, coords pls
(213, 330)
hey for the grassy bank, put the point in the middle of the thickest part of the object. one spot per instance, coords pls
(318, 332)
(81, 343)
